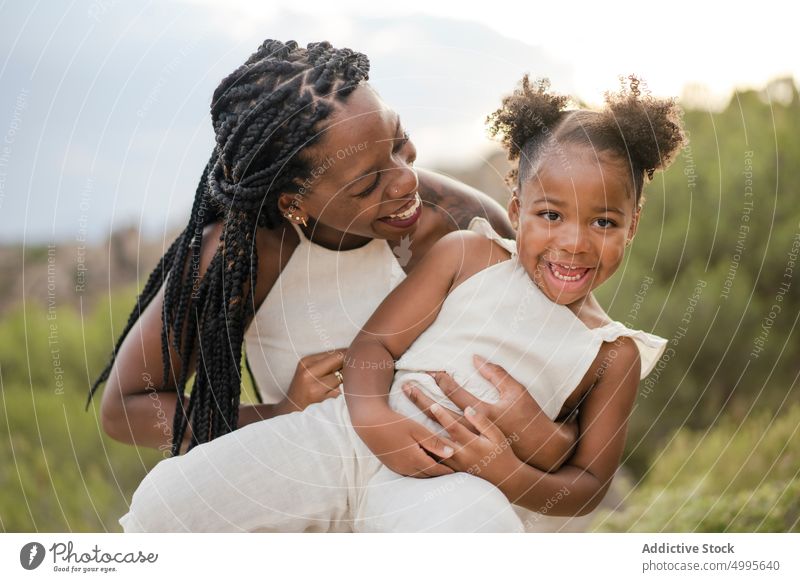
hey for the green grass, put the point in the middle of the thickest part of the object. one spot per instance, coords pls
(733, 478)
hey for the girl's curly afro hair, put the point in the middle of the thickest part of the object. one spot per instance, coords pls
(644, 131)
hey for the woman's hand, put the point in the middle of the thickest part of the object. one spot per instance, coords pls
(315, 380)
(487, 454)
(405, 446)
(536, 439)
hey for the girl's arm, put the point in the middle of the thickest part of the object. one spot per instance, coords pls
(579, 486)
(369, 364)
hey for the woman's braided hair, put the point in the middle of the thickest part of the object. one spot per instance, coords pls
(645, 132)
(264, 114)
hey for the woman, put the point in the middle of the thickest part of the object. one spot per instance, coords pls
(288, 250)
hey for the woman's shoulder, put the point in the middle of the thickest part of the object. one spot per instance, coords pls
(273, 247)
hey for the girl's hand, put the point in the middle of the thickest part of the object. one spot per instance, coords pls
(425, 402)
(405, 446)
(487, 454)
(536, 439)
(314, 380)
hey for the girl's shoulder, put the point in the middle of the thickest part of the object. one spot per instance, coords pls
(463, 242)
(470, 252)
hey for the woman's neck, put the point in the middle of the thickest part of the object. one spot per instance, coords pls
(333, 239)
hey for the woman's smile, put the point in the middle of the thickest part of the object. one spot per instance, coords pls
(406, 215)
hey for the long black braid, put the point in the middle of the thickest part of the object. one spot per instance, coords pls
(264, 114)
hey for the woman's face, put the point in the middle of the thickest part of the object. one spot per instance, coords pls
(361, 182)
(573, 221)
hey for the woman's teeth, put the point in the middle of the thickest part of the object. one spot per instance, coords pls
(409, 212)
(562, 272)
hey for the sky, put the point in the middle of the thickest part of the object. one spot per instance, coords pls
(720, 45)
(104, 104)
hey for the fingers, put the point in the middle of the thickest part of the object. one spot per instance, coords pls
(330, 381)
(455, 429)
(428, 466)
(314, 358)
(424, 403)
(435, 470)
(494, 373)
(438, 445)
(454, 392)
(484, 425)
(420, 400)
(325, 363)
(425, 465)
(335, 393)
(452, 464)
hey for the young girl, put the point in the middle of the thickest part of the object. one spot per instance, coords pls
(523, 304)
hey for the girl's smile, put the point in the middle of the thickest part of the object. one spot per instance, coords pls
(568, 278)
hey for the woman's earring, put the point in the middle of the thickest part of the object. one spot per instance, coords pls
(291, 216)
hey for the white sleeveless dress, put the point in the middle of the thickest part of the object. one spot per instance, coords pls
(319, 303)
(309, 471)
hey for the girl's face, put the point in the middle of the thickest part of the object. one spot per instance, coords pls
(573, 222)
(362, 184)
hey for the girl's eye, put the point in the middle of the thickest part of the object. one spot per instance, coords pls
(549, 216)
(605, 223)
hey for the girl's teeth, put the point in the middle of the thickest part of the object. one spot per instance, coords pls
(554, 269)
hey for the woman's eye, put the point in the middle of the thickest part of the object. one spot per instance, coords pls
(549, 216)
(372, 187)
(401, 142)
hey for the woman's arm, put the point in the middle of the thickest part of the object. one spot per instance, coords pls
(582, 482)
(457, 204)
(139, 404)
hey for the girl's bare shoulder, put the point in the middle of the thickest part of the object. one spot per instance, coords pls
(471, 252)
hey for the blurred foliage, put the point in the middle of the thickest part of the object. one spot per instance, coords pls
(701, 235)
(61, 473)
(731, 478)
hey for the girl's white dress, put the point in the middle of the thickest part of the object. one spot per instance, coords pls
(309, 471)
